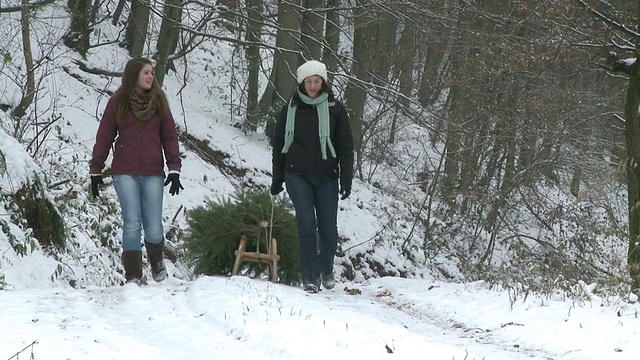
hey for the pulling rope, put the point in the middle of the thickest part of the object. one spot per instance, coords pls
(267, 234)
(270, 227)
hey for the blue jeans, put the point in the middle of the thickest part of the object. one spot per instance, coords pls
(315, 199)
(141, 203)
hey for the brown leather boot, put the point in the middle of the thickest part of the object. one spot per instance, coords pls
(132, 262)
(155, 252)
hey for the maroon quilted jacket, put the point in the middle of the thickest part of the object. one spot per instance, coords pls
(138, 150)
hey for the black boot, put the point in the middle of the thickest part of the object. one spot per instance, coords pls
(132, 262)
(156, 260)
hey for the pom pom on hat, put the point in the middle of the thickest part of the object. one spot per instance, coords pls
(310, 68)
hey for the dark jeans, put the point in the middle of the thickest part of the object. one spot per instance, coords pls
(315, 199)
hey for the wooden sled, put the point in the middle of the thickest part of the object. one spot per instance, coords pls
(270, 258)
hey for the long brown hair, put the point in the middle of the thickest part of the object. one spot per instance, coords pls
(129, 82)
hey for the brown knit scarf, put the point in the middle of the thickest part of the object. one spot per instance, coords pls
(143, 106)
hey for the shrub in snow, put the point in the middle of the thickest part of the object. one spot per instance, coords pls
(41, 215)
(26, 198)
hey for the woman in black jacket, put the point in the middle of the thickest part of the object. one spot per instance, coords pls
(312, 153)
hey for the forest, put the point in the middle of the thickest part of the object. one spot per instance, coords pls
(510, 128)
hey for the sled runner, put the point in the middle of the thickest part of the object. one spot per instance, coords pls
(270, 258)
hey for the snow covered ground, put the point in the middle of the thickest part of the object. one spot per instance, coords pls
(243, 318)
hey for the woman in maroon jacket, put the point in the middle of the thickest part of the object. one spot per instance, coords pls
(138, 114)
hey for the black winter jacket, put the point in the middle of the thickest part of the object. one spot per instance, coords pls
(304, 155)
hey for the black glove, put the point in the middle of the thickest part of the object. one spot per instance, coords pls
(276, 187)
(174, 179)
(345, 189)
(96, 180)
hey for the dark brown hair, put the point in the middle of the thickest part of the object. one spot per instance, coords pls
(130, 81)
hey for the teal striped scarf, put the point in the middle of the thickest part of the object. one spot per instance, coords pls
(321, 103)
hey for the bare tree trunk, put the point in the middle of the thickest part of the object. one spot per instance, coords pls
(283, 75)
(615, 63)
(228, 10)
(452, 145)
(118, 12)
(77, 37)
(312, 29)
(356, 94)
(252, 37)
(137, 24)
(168, 37)
(457, 103)
(30, 88)
(85, 41)
(403, 70)
(434, 75)
(383, 38)
(632, 133)
(282, 79)
(576, 179)
(332, 37)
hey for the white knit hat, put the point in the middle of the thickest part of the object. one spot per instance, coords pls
(311, 67)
